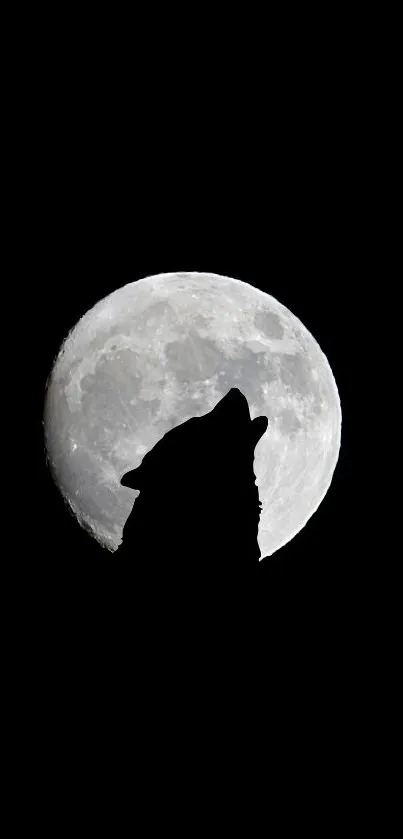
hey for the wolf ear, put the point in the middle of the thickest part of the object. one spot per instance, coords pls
(259, 426)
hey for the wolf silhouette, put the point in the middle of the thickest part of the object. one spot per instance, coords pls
(193, 528)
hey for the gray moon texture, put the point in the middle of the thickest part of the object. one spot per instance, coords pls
(169, 347)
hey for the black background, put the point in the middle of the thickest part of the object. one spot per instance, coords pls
(269, 189)
(255, 155)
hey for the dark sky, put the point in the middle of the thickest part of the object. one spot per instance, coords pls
(288, 225)
(265, 170)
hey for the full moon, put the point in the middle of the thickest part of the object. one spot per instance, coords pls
(166, 348)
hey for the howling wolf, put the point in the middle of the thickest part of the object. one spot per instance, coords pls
(194, 525)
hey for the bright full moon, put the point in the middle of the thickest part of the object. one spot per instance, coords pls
(169, 347)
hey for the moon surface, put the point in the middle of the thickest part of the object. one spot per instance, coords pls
(166, 348)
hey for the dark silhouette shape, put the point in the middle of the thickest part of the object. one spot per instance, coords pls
(192, 534)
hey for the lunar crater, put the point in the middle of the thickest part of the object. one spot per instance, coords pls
(269, 323)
